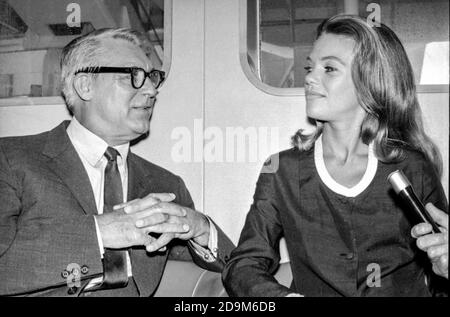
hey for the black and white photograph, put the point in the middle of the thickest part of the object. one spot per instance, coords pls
(235, 151)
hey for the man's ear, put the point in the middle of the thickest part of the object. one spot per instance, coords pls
(83, 84)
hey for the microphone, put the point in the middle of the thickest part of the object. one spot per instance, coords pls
(404, 189)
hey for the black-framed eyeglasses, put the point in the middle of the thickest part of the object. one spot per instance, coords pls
(138, 75)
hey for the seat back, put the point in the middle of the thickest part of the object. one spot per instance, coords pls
(185, 279)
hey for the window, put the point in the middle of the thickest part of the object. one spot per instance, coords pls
(33, 33)
(280, 35)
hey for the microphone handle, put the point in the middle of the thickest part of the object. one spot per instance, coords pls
(415, 204)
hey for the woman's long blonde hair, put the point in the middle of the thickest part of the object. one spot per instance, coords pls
(385, 87)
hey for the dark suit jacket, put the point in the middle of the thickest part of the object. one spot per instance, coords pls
(46, 216)
(335, 243)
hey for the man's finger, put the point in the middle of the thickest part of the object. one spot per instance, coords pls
(142, 238)
(152, 220)
(148, 239)
(149, 201)
(168, 228)
(159, 243)
(184, 236)
(140, 204)
(122, 205)
(438, 215)
(164, 197)
(163, 208)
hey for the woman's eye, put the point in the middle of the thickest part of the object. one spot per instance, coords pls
(308, 69)
(329, 69)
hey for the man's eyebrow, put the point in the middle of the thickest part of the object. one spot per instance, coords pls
(332, 57)
(135, 65)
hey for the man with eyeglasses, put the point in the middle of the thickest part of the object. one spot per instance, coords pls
(82, 215)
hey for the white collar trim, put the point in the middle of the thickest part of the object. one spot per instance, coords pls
(326, 178)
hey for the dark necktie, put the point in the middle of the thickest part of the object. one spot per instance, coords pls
(115, 273)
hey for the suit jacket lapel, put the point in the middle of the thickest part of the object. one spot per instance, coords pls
(65, 162)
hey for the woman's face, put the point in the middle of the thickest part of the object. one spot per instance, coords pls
(330, 92)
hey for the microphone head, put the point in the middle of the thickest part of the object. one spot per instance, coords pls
(398, 181)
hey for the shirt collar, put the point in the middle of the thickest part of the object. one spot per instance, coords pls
(90, 145)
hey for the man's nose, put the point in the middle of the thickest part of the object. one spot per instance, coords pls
(148, 88)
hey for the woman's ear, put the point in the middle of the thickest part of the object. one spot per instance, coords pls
(83, 85)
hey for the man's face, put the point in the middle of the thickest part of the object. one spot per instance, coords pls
(117, 112)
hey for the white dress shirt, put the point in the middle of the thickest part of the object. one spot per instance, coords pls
(91, 149)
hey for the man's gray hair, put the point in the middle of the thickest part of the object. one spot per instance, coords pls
(87, 51)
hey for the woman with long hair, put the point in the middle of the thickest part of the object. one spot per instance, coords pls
(346, 231)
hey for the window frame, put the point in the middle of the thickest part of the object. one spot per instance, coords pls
(295, 91)
(17, 101)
